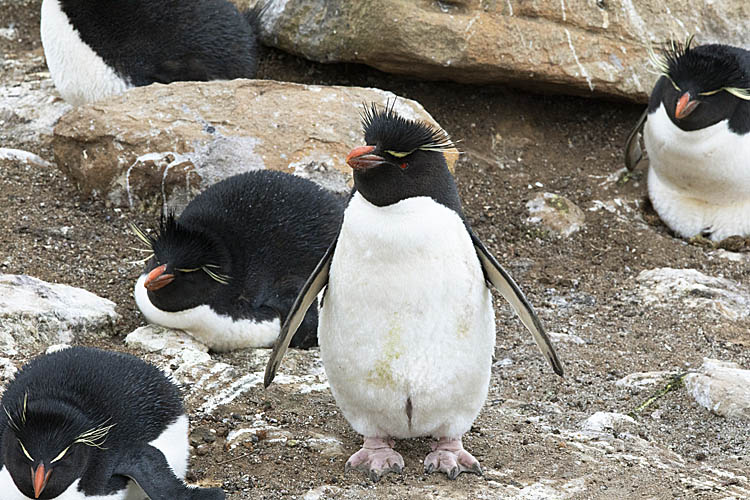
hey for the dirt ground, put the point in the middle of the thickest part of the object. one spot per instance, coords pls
(515, 145)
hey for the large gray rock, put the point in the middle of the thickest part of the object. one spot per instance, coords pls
(35, 314)
(591, 47)
(169, 142)
(722, 387)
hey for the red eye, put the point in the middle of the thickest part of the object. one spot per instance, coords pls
(403, 165)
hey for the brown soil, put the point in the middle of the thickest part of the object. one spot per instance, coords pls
(513, 142)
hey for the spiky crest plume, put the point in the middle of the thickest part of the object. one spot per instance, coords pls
(396, 134)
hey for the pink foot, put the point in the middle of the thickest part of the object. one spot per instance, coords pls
(449, 456)
(376, 458)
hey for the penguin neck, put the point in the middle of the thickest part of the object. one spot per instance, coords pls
(382, 188)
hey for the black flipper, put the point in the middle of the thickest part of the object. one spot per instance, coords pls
(499, 277)
(633, 153)
(314, 284)
(149, 469)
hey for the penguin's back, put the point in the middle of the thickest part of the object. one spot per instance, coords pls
(407, 321)
(278, 224)
(98, 48)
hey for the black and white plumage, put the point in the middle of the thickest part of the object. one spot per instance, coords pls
(407, 326)
(696, 132)
(228, 270)
(86, 424)
(97, 48)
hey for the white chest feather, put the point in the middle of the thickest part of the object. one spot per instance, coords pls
(699, 180)
(219, 332)
(407, 320)
(173, 443)
(80, 75)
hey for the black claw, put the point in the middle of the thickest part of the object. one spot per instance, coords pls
(374, 476)
(477, 469)
(429, 468)
(454, 472)
(396, 468)
(347, 467)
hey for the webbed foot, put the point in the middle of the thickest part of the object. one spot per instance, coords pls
(376, 458)
(449, 456)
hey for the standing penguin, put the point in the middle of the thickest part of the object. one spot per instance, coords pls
(228, 270)
(98, 48)
(407, 327)
(83, 423)
(697, 137)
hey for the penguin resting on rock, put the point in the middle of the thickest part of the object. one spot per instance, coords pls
(86, 424)
(697, 135)
(98, 48)
(407, 326)
(228, 270)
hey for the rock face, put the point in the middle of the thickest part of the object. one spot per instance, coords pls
(35, 314)
(722, 387)
(592, 47)
(162, 144)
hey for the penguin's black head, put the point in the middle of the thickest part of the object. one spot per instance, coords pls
(186, 268)
(701, 85)
(403, 159)
(48, 445)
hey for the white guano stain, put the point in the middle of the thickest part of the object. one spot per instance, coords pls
(584, 73)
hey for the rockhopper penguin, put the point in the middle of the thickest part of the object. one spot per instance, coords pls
(97, 48)
(696, 136)
(407, 326)
(228, 270)
(86, 424)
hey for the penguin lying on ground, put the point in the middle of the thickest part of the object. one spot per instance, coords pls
(97, 48)
(407, 327)
(228, 270)
(85, 424)
(696, 135)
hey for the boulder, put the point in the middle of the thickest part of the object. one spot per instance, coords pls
(592, 47)
(160, 145)
(722, 387)
(35, 314)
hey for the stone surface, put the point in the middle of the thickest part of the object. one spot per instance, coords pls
(572, 46)
(609, 422)
(555, 213)
(722, 387)
(169, 142)
(35, 314)
(640, 380)
(665, 287)
(211, 383)
(30, 108)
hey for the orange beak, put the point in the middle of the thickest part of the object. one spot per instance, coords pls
(156, 279)
(361, 159)
(40, 479)
(685, 106)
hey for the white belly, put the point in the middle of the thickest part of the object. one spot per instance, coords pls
(219, 332)
(407, 321)
(700, 180)
(80, 75)
(173, 443)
